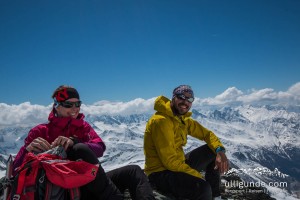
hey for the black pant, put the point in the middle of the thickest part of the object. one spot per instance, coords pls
(132, 177)
(185, 186)
(100, 188)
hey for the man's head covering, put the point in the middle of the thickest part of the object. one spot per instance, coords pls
(181, 89)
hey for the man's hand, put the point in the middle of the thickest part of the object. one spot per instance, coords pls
(38, 145)
(63, 141)
(221, 162)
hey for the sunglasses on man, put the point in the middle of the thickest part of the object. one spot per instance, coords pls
(183, 97)
(68, 104)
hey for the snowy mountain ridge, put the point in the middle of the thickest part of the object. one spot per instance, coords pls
(255, 137)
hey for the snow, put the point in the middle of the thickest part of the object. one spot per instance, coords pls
(249, 128)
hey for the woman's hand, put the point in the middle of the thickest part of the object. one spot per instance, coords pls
(63, 141)
(38, 145)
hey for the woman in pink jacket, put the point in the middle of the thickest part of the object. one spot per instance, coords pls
(66, 127)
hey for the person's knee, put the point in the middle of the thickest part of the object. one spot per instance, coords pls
(80, 147)
(136, 168)
(82, 151)
(136, 174)
(133, 169)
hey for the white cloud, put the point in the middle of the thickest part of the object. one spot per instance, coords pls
(295, 90)
(23, 114)
(136, 106)
(264, 96)
(28, 114)
(259, 95)
(231, 94)
(228, 96)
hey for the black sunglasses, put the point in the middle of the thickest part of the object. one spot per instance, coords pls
(68, 104)
(183, 97)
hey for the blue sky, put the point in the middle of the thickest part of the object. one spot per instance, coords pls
(119, 50)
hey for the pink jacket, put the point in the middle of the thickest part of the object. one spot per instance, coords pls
(63, 126)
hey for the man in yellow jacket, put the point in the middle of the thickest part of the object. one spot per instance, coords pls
(166, 164)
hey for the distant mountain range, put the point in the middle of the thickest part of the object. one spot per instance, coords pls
(262, 142)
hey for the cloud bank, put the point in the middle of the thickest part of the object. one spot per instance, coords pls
(27, 114)
(266, 96)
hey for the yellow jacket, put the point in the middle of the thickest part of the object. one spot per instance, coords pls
(165, 136)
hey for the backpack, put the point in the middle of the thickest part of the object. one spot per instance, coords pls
(49, 176)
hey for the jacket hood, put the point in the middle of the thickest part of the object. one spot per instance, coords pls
(163, 104)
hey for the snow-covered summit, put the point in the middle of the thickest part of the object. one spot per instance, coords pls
(257, 134)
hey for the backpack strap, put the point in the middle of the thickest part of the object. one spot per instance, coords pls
(21, 182)
(74, 193)
(49, 188)
(29, 169)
